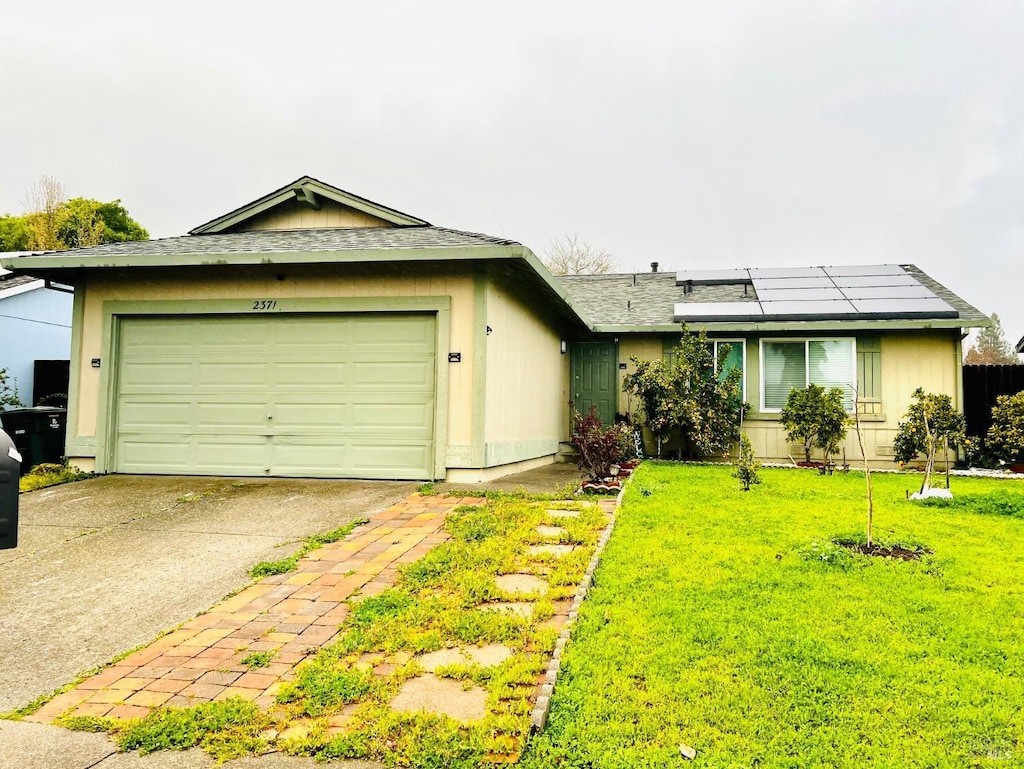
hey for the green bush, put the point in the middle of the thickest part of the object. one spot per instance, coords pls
(688, 397)
(1006, 435)
(747, 464)
(815, 416)
(931, 421)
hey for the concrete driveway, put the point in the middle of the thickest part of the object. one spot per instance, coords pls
(106, 564)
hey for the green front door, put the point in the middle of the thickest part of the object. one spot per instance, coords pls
(595, 379)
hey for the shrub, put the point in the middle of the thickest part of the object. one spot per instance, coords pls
(747, 465)
(8, 391)
(599, 448)
(687, 395)
(815, 416)
(1006, 435)
(930, 421)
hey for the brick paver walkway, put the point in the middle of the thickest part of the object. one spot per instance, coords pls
(291, 615)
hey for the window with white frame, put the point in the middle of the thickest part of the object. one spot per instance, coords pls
(788, 364)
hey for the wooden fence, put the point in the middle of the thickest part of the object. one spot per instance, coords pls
(982, 384)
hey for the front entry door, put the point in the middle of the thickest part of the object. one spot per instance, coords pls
(594, 379)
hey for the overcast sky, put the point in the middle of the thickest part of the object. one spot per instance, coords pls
(696, 134)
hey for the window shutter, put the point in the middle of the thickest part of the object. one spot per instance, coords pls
(784, 370)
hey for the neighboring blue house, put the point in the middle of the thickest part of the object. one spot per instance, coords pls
(35, 324)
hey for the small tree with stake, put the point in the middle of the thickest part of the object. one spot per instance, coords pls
(931, 421)
(815, 416)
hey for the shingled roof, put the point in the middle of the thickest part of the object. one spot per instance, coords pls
(293, 241)
(630, 302)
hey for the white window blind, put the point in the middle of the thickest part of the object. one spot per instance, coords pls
(794, 365)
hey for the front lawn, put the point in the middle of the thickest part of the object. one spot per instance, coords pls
(725, 621)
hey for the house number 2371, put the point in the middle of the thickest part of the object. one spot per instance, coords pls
(264, 304)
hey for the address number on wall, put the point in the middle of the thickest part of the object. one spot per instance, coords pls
(263, 305)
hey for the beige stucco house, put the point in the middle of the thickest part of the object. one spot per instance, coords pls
(315, 333)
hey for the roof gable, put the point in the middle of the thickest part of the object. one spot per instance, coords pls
(306, 193)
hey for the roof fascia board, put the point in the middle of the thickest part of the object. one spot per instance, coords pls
(24, 288)
(552, 282)
(306, 184)
(345, 256)
(802, 326)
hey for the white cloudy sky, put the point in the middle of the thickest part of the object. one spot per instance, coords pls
(697, 134)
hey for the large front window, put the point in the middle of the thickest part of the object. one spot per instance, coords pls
(793, 364)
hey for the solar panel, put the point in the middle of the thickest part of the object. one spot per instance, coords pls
(820, 281)
(851, 281)
(846, 271)
(713, 276)
(798, 294)
(814, 308)
(786, 272)
(903, 306)
(717, 310)
(889, 292)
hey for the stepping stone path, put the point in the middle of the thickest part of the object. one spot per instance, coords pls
(557, 550)
(485, 656)
(563, 513)
(441, 695)
(521, 584)
(551, 531)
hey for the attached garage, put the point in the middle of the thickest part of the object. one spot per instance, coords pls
(315, 333)
(320, 395)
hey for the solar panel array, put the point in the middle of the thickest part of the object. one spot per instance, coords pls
(883, 291)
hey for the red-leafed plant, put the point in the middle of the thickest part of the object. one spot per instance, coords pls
(599, 447)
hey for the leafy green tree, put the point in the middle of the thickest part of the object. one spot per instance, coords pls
(747, 465)
(54, 223)
(815, 416)
(14, 233)
(991, 347)
(8, 391)
(686, 397)
(1006, 435)
(930, 421)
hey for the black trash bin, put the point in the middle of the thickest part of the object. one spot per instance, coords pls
(38, 433)
(9, 472)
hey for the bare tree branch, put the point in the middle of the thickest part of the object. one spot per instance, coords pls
(568, 255)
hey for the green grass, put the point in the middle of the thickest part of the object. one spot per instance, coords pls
(258, 659)
(291, 563)
(710, 625)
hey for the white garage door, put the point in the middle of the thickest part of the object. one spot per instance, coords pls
(330, 396)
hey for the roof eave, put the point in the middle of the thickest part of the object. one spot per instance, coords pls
(40, 264)
(774, 326)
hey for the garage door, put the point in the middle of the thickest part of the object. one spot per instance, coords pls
(331, 396)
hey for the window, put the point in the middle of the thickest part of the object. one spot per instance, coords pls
(729, 354)
(788, 364)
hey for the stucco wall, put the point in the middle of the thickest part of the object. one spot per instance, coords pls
(527, 388)
(34, 325)
(262, 283)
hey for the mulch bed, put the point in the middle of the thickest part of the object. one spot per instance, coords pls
(886, 551)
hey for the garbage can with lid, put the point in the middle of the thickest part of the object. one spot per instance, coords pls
(10, 459)
(38, 433)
